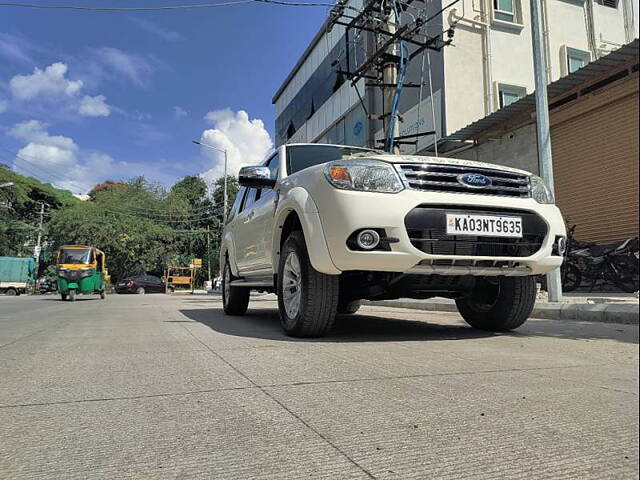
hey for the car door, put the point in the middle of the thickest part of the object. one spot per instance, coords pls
(245, 237)
(264, 208)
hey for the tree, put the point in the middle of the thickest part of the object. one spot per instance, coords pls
(218, 194)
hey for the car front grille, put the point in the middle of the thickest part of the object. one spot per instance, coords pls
(426, 227)
(444, 178)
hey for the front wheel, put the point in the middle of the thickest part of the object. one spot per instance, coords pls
(623, 273)
(63, 297)
(307, 299)
(348, 308)
(499, 304)
(571, 277)
(103, 295)
(72, 295)
(141, 291)
(235, 300)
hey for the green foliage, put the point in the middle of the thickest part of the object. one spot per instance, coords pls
(142, 227)
(19, 207)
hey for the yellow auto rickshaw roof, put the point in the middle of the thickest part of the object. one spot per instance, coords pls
(79, 247)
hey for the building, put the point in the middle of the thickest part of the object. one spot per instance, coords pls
(488, 67)
(594, 143)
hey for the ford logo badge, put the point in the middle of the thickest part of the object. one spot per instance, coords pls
(474, 180)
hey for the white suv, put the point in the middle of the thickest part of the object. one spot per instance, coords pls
(324, 226)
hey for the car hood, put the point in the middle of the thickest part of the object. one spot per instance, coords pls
(443, 161)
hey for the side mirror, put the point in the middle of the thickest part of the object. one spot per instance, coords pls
(256, 177)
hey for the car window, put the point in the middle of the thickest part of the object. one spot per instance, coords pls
(251, 198)
(242, 195)
(300, 157)
(273, 165)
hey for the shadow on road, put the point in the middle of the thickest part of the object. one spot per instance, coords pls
(265, 324)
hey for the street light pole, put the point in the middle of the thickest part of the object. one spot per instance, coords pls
(554, 284)
(224, 213)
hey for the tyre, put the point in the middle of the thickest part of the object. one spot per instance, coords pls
(348, 308)
(499, 304)
(63, 297)
(72, 295)
(235, 300)
(571, 277)
(141, 291)
(623, 273)
(307, 299)
(103, 295)
(12, 292)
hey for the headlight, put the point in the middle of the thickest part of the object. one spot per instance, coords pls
(363, 175)
(539, 190)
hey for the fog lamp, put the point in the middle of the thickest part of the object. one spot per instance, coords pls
(368, 239)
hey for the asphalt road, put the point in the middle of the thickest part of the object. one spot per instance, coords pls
(168, 387)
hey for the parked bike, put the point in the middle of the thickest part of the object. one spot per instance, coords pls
(589, 263)
(613, 264)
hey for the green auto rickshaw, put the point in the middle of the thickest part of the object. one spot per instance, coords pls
(81, 270)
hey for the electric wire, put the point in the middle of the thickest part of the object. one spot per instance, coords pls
(97, 8)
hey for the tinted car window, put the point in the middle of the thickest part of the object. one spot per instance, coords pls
(242, 196)
(251, 198)
(236, 203)
(300, 157)
(274, 165)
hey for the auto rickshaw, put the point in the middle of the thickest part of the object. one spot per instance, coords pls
(81, 270)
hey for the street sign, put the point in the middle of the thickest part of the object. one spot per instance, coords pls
(197, 262)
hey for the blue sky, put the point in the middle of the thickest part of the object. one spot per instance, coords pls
(89, 96)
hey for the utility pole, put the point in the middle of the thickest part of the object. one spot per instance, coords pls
(387, 60)
(390, 77)
(37, 249)
(206, 145)
(209, 256)
(545, 162)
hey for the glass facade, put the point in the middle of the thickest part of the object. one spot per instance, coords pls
(324, 81)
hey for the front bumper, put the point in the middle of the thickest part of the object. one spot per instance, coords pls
(342, 212)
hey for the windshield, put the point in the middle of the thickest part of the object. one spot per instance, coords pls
(75, 256)
(300, 157)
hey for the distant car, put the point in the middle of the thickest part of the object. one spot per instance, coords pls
(141, 284)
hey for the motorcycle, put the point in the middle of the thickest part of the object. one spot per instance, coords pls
(617, 264)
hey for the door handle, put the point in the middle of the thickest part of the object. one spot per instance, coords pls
(250, 216)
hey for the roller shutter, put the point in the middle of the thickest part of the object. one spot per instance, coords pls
(595, 157)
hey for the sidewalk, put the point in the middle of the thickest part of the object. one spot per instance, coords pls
(582, 306)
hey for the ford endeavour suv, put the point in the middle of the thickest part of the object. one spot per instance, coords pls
(325, 226)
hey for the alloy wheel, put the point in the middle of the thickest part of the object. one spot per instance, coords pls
(292, 285)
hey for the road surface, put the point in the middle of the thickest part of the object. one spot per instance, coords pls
(159, 386)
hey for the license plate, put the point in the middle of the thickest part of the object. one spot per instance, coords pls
(484, 225)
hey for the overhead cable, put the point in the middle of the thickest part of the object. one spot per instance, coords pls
(98, 8)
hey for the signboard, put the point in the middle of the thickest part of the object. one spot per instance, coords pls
(197, 262)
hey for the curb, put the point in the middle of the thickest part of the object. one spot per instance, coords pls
(580, 312)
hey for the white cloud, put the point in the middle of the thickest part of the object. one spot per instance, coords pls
(50, 81)
(52, 86)
(179, 112)
(247, 142)
(35, 132)
(16, 49)
(157, 30)
(94, 106)
(58, 159)
(133, 67)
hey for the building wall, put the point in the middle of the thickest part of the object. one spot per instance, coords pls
(515, 149)
(472, 71)
(465, 76)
